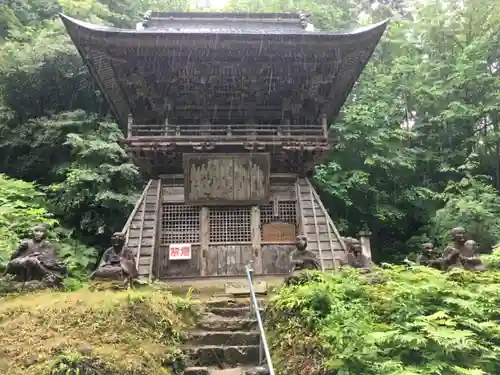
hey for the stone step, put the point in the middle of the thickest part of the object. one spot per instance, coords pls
(196, 371)
(259, 370)
(226, 338)
(226, 302)
(230, 311)
(222, 355)
(219, 323)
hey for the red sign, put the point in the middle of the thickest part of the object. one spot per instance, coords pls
(179, 251)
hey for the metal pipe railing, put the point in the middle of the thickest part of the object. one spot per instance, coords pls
(255, 307)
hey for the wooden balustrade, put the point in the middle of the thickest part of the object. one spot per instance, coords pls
(227, 132)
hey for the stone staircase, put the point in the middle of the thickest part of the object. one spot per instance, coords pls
(225, 341)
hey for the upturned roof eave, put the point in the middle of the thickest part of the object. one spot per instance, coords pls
(71, 23)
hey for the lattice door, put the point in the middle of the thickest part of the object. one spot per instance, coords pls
(230, 246)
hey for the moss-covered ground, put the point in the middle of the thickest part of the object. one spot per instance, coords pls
(92, 333)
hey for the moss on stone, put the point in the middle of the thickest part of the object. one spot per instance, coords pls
(92, 333)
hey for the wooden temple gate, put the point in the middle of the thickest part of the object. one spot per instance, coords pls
(227, 113)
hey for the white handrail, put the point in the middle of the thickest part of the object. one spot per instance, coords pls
(249, 272)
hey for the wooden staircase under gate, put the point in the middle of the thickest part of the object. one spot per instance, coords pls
(323, 238)
(141, 228)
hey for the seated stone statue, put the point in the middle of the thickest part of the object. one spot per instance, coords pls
(469, 257)
(428, 257)
(301, 259)
(117, 263)
(452, 253)
(35, 259)
(355, 257)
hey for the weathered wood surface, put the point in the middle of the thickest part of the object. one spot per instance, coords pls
(279, 232)
(226, 179)
(322, 236)
(179, 268)
(224, 260)
(141, 231)
(276, 258)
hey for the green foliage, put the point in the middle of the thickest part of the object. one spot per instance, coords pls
(22, 207)
(97, 190)
(395, 321)
(473, 204)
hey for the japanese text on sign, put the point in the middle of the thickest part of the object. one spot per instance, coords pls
(179, 251)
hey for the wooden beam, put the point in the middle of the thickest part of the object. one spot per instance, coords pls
(204, 240)
(256, 238)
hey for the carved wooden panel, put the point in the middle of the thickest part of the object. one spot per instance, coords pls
(226, 179)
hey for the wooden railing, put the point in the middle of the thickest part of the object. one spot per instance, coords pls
(221, 132)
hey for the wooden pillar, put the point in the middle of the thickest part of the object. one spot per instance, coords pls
(366, 250)
(204, 240)
(256, 245)
(324, 124)
(130, 125)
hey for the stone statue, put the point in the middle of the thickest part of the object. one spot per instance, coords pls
(301, 260)
(428, 257)
(469, 258)
(355, 257)
(452, 253)
(117, 262)
(35, 260)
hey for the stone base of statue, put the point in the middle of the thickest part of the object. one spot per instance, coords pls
(9, 285)
(115, 285)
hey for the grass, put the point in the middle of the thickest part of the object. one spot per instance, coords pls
(91, 333)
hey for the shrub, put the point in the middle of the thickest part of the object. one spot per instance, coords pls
(395, 321)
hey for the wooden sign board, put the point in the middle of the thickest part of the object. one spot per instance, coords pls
(226, 179)
(179, 251)
(242, 288)
(279, 232)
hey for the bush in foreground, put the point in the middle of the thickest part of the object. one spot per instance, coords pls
(88, 333)
(398, 320)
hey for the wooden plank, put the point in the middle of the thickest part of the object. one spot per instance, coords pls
(156, 235)
(135, 209)
(329, 219)
(300, 212)
(143, 270)
(137, 233)
(143, 214)
(231, 255)
(256, 238)
(323, 237)
(146, 251)
(222, 260)
(149, 223)
(317, 232)
(277, 258)
(313, 246)
(247, 255)
(204, 239)
(150, 207)
(134, 242)
(240, 267)
(212, 259)
(144, 261)
(226, 179)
